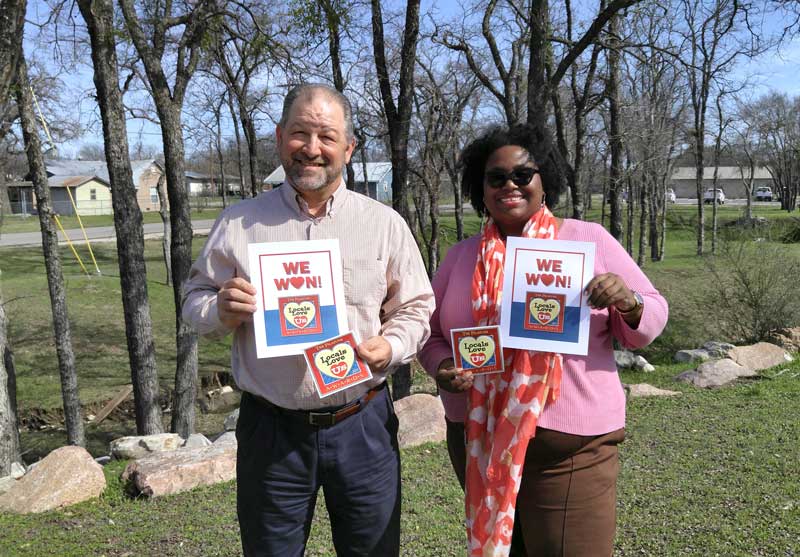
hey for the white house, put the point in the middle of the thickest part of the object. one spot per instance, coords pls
(378, 183)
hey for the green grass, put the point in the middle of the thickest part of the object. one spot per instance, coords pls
(711, 472)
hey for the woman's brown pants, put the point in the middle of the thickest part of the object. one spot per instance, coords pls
(566, 506)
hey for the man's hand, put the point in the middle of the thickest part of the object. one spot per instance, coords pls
(236, 303)
(451, 379)
(376, 352)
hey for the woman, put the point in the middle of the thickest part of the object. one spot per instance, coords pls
(567, 452)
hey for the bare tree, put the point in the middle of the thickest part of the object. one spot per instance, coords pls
(99, 18)
(151, 40)
(11, 28)
(52, 260)
(398, 118)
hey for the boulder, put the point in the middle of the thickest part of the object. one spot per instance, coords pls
(717, 349)
(181, 470)
(624, 359)
(421, 419)
(66, 476)
(231, 419)
(761, 355)
(643, 389)
(696, 355)
(220, 400)
(715, 373)
(643, 365)
(138, 446)
(196, 440)
(227, 438)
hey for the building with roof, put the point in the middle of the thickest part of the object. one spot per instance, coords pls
(731, 176)
(198, 183)
(378, 184)
(88, 185)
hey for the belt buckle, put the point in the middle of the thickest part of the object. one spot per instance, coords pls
(321, 419)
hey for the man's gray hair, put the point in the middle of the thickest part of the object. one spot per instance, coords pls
(311, 88)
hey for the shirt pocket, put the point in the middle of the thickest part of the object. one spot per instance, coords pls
(364, 282)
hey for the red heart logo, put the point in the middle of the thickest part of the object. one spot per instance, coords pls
(544, 317)
(300, 320)
(547, 280)
(297, 282)
(339, 370)
(477, 359)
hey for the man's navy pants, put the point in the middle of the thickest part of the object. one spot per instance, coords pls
(282, 462)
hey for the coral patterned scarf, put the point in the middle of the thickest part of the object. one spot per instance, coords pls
(503, 407)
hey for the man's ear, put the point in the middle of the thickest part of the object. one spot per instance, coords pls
(278, 133)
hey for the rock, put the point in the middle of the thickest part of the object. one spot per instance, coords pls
(230, 421)
(643, 365)
(196, 440)
(103, 460)
(64, 477)
(715, 373)
(696, 355)
(17, 470)
(761, 355)
(220, 400)
(788, 339)
(138, 446)
(227, 438)
(181, 470)
(6, 483)
(717, 349)
(624, 359)
(421, 419)
(643, 389)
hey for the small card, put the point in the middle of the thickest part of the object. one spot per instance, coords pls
(335, 366)
(478, 349)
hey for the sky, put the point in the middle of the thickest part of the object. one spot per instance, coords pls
(775, 70)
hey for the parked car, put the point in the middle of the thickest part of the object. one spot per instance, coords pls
(670, 195)
(763, 193)
(709, 196)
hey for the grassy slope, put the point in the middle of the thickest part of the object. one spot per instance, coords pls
(707, 473)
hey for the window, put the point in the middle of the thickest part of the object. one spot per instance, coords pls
(153, 195)
(93, 194)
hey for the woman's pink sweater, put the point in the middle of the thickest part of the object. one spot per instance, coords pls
(592, 401)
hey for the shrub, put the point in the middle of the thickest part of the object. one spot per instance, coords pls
(754, 291)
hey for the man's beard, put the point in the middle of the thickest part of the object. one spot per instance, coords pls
(314, 181)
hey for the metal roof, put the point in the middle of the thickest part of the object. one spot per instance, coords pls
(376, 171)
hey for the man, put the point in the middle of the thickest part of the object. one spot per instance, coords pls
(291, 442)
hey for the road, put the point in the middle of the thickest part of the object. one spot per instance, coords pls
(95, 234)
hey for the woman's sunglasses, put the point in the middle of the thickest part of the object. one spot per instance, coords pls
(520, 177)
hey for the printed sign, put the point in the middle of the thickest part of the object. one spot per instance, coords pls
(544, 307)
(335, 366)
(477, 349)
(300, 296)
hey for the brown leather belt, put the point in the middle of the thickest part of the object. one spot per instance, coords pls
(318, 418)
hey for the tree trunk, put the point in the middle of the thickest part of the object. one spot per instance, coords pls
(181, 256)
(166, 238)
(52, 260)
(615, 134)
(99, 17)
(240, 157)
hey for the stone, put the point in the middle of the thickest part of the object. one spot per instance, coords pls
(176, 471)
(624, 358)
(134, 447)
(196, 440)
(231, 420)
(103, 460)
(696, 355)
(643, 365)
(421, 419)
(715, 373)
(761, 355)
(66, 476)
(17, 470)
(220, 400)
(227, 438)
(643, 389)
(717, 349)
(788, 339)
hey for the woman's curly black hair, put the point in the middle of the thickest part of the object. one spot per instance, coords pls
(474, 156)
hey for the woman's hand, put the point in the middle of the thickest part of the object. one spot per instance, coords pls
(609, 290)
(451, 379)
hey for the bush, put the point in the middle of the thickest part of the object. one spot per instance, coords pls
(754, 291)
